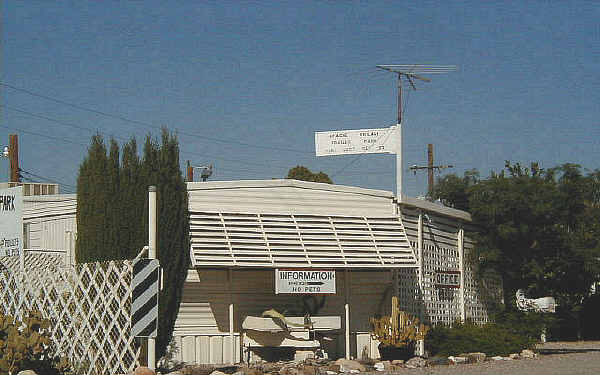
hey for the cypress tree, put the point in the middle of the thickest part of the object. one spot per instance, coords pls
(162, 167)
(91, 203)
(112, 214)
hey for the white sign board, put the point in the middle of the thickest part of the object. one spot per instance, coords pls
(11, 222)
(362, 141)
(296, 281)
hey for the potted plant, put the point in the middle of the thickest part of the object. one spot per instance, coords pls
(397, 334)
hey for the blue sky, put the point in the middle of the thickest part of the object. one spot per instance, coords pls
(246, 84)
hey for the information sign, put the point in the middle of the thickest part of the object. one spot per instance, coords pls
(361, 141)
(11, 222)
(297, 281)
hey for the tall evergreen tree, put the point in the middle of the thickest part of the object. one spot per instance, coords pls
(112, 213)
(91, 203)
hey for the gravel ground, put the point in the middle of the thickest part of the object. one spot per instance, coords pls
(571, 358)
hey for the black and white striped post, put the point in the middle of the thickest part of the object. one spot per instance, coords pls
(144, 295)
(152, 255)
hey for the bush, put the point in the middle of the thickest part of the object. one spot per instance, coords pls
(491, 339)
(25, 345)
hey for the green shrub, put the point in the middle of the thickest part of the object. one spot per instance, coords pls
(491, 339)
(25, 345)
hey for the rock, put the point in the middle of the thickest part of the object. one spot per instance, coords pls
(454, 360)
(476, 357)
(307, 370)
(526, 353)
(216, 372)
(333, 367)
(143, 371)
(513, 356)
(383, 366)
(497, 358)
(416, 362)
(288, 370)
(176, 372)
(348, 364)
(27, 372)
(329, 372)
(398, 362)
(438, 361)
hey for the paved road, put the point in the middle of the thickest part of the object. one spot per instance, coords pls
(572, 358)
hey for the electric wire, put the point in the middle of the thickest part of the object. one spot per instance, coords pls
(147, 124)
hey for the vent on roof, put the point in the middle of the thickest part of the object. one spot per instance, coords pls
(269, 240)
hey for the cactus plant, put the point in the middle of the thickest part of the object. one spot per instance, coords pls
(398, 330)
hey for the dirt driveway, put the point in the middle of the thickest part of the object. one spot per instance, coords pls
(558, 358)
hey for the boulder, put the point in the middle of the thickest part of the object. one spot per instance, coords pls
(526, 353)
(142, 370)
(383, 366)
(415, 362)
(513, 356)
(438, 361)
(455, 360)
(216, 372)
(307, 370)
(27, 372)
(476, 357)
(347, 364)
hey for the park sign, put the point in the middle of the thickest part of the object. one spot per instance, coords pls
(304, 281)
(361, 141)
(11, 222)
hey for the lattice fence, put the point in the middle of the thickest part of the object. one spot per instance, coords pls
(89, 306)
(433, 301)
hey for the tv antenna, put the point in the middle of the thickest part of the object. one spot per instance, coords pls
(410, 72)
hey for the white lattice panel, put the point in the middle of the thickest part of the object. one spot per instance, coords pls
(89, 307)
(440, 254)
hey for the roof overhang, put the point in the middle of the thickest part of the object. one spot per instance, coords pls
(260, 240)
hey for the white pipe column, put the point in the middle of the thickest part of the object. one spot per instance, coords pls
(461, 268)
(421, 343)
(347, 311)
(399, 162)
(231, 335)
(152, 255)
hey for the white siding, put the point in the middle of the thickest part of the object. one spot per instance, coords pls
(204, 311)
(288, 197)
(50, 224)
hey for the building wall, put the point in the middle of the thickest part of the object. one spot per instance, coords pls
(204, 312)
(50, 225)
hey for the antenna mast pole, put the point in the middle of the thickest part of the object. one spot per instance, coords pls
(399, 142)
(411, 73)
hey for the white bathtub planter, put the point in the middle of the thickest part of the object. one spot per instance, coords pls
(293, 333)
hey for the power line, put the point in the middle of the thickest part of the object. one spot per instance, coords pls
(55, 121)
(45, 136)
(142, 123)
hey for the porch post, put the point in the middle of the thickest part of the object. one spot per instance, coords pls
(347, 311)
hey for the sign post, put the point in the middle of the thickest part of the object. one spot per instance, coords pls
(11, 223)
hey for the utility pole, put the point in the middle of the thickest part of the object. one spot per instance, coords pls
(13, 156)
(430, 168)
(190, 172)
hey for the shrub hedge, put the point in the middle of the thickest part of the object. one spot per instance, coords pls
(505, 336)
